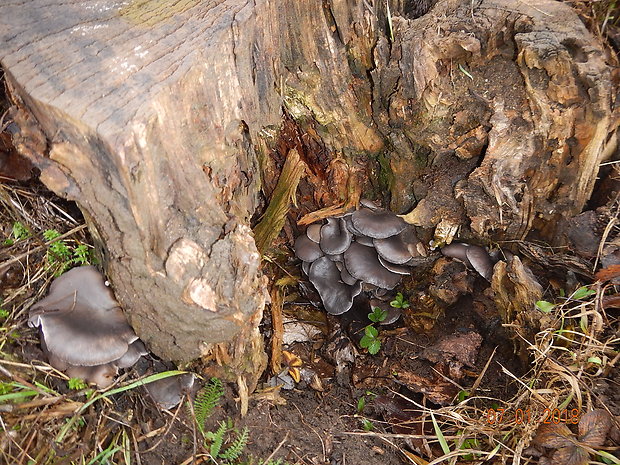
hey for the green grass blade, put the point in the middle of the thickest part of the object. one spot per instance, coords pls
(442, 440)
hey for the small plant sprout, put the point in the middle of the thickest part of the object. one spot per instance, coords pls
(367, 424)
(399, 301)
(361, 404)
(370, 340)
(377, 315)
(18, 232)
(544, 306)
(76, 384)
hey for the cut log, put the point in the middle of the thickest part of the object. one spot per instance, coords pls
(155, 116)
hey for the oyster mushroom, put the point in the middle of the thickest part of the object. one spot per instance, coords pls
(168, 392)
(314, 232)
(378, 224)
(400, 248)
(335, 237)
(336, 296)
(306, 249)
(82, 325)
(363, 263)
(473, 256)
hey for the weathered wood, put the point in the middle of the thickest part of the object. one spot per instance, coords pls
(490, 115)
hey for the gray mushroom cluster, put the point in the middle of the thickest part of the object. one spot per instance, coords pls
(83, 330)
(370, 248)
(475, 257)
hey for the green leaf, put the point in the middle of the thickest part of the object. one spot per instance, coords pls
(463, 395)
(440, 437)
(76, 384)
(4, 313)
(582, 293)
(365, 342)
(596, 360)
(371, 331)
(377, 315)
(374, 346)
(367, 424)
(544, 306)
(361, 403)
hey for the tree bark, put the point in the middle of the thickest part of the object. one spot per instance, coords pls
(158, 118)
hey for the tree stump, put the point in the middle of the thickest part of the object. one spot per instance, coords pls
(159, 119)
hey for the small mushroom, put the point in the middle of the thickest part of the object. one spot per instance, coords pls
(393, 249)
(314, 232)
(473, 256)
(168, 392)
(377, 224)
(480, 260)
(307, 250)
(363, 263)
(335, 295)
(335, 237)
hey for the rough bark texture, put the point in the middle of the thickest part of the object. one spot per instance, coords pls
(491, 115)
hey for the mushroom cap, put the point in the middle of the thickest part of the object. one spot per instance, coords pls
(134, 352)
(335, 237)
(456, 250)
(305, 267)
(365, 240)
(393, 249)
(314, 232)
(350, 226)
(480, 260)
(363, 263)
(307, 250)
(81, 321)
(346, 277)
(377, 224)
(335, 295)
(394, 268)
(168, 392)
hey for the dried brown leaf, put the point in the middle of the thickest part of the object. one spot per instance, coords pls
(570, 455)
(609, 273)
(553, 436)
(594, 427)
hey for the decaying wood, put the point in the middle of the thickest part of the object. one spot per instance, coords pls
(491, 115)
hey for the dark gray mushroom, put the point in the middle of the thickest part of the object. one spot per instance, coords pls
(83, 329)
(394, 268)
(336, 258)
(168, 392)
(377, 224)
(314, 232)
(350, 226)
(307, 250)
(133, 354)
(393, 249)
(305, 267)
(363, 263)
(346, 277)
(365, 240)
(474, 256)
(335, 295)
(81, 321)
(335, 237)
(480, 260)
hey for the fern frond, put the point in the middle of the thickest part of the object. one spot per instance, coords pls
(217, 439)
(206, 400)
(233, 451)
